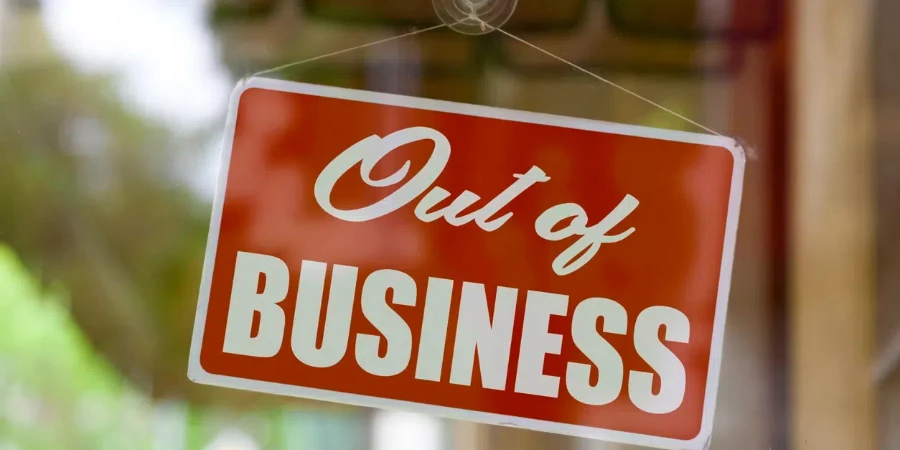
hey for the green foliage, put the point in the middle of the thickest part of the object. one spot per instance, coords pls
(88, 199)
(55, 391)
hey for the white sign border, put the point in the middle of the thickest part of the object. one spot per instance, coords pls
(197, 374)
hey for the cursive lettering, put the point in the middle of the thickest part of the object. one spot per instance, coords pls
(369, 151)
(579, 253)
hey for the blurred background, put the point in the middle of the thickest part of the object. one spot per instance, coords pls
(111, 121)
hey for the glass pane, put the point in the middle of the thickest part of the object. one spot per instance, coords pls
(112, 115)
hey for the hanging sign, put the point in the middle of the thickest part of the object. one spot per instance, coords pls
(505, 267)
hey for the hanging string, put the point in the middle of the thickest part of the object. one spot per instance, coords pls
(346, 50)
(516, 38)
(607, 81)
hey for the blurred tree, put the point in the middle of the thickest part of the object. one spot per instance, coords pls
(55, 391)
(88, 199)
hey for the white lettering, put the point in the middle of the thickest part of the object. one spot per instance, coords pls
(482, 216)
(476, 332)
(484, 333)
(660, 358)
(434, 329)
(308, 311)
(603, 355)
(246, 301)
(368, 152)
(537, 342)
(591, 237)
(394, 329)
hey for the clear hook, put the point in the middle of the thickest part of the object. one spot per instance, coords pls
(474, 17)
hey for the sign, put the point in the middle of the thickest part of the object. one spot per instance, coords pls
(511, 268)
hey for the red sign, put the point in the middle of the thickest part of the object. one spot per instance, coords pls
(505, 267)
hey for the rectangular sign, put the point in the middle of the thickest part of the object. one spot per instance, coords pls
(506, 267)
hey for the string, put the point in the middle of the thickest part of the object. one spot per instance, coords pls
(605, 80)
(358, 47)
(483, 24)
